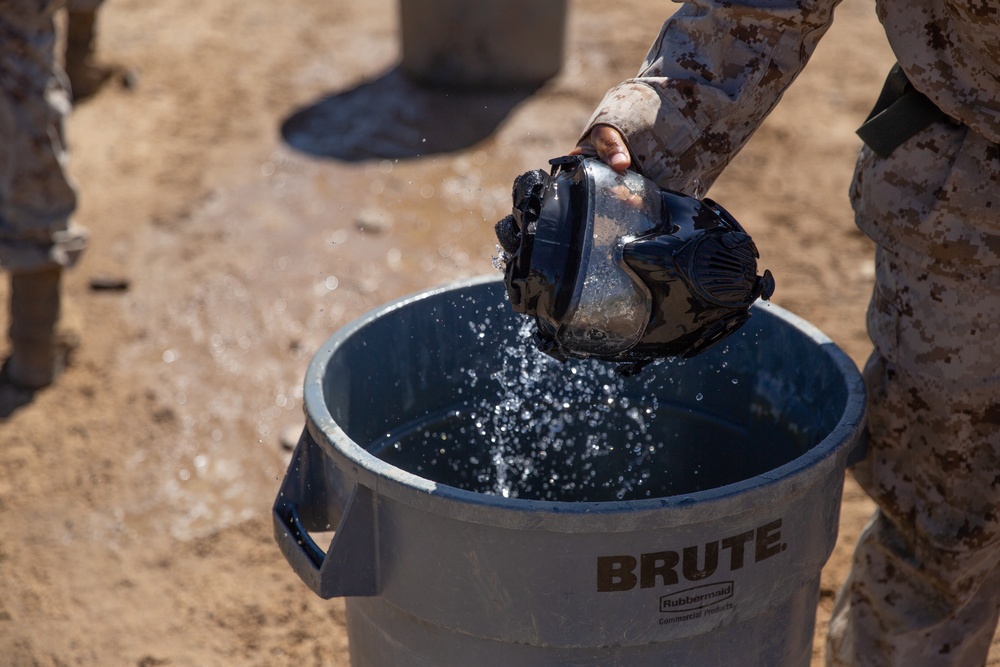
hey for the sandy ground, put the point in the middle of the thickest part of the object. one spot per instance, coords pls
(268, 177)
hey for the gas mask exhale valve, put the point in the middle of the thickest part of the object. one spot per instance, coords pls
(612, 267)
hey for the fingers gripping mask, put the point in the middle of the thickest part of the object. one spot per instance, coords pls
(612, 267)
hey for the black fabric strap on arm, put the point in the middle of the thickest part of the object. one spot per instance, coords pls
(900, 112)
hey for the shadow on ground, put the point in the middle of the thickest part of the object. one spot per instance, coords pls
(392, 117)
(12, 397)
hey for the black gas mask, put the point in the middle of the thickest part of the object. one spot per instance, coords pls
(612, 267)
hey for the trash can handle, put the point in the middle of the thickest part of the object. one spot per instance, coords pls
(348, 567)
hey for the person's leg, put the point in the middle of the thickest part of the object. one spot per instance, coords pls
(42, 335)
(37, 199)
(86, 74)
(923, 588)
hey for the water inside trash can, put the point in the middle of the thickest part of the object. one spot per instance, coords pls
(570, 459)
(578, 432)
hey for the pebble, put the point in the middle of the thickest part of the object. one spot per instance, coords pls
(109, 283)
(373, 220)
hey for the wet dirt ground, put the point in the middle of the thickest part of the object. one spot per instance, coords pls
(269, 176)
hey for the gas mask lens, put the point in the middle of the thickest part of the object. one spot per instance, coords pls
(611, 305)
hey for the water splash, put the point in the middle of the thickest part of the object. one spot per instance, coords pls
(541, 429)
(500, 259)
(525, 426)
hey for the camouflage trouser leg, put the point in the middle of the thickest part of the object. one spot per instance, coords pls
(36, 196)
(925, 585)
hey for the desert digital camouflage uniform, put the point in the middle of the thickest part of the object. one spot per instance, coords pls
(36, 195)
(925, 587)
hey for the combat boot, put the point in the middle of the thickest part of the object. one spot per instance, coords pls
(86, 76)
(43, 333)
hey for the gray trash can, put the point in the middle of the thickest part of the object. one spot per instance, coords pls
(680, 517)
(482, 44)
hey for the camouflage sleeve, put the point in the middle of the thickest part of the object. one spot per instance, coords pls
(712, 76)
